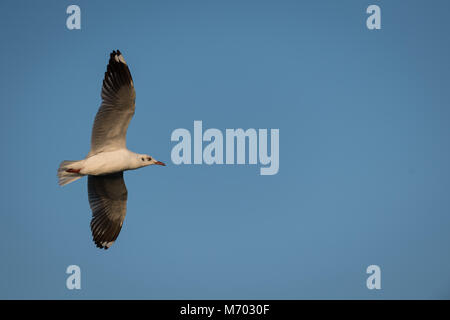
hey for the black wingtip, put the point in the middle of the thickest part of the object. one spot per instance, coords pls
(99, 245)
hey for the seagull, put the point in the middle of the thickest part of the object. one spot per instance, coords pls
(109, 157)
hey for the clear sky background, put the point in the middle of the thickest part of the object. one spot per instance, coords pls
(364, 149)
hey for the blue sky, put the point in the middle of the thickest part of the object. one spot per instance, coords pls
(364, 159)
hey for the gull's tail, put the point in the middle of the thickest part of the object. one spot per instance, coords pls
(68, 172)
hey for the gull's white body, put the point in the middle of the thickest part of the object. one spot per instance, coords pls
(110, 162)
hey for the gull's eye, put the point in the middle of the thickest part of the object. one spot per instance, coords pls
(142, 159)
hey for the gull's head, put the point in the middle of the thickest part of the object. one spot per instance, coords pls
(146, 160)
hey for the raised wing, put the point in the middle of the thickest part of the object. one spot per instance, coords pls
(108, 201)
(111, 122)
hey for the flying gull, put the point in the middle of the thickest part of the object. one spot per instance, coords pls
(109, 156)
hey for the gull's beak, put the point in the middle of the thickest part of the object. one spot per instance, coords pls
(160, 163)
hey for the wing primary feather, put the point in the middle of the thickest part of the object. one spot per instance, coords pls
(117, 108)
(107, 197)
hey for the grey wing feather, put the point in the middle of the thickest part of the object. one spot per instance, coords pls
(117, 108)
(108, 200)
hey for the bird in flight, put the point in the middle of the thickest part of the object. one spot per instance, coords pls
(109, 157)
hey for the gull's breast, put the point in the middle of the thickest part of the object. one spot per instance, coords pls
(106, 163)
